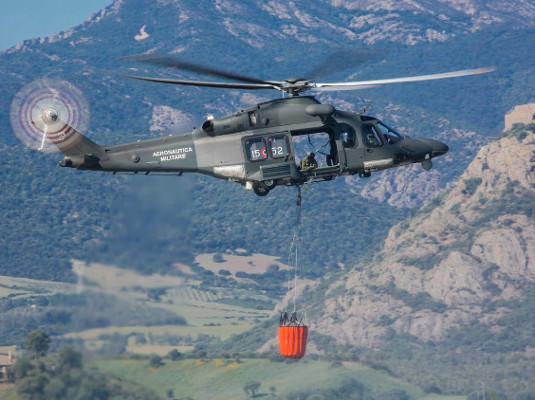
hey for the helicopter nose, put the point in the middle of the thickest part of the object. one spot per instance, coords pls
(437, 148)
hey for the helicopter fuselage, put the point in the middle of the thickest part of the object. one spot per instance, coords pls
(260, 147)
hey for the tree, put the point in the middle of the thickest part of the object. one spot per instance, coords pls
(218, 258)
(272, 268)
(37, 342)
(156, 362)
(174, 355)
(20, 369)
(69, 359)
(250, 388)
(91, 388)
(32, 387)
(56, 388)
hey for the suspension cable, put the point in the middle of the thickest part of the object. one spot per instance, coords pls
(295, 246)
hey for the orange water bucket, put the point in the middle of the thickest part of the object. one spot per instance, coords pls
(293, 341)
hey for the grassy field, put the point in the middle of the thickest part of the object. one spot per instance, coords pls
(156, 335)
(7, 391)
(253, 264)
(223, 331)
(206, 309)
(218, 312)
(225, 379)
(202, 307)
(22, 287)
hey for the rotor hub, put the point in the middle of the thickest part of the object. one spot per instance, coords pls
(50, 115)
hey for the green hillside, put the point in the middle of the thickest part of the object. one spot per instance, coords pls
(67, 375)
(148, 223)
(226, 378)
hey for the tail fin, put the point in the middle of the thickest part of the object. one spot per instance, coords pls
(80, 152)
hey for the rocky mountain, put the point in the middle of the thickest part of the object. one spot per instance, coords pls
(257, 23)
(458, 261)
(271, 40)
(407, 22)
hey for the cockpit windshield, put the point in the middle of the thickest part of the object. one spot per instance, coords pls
(390, 134)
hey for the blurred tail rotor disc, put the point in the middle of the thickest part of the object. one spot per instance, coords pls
(42, 102)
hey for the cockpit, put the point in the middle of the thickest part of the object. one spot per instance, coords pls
(374, 133)
(390, 134)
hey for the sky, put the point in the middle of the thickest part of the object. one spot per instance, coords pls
(26, 19)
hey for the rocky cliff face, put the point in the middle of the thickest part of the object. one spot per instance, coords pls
(408, 21)
(323, 22)
(442, 268)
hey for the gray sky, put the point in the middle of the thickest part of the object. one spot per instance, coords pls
(26, 19)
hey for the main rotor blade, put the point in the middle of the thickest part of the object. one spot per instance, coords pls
(366, 84)
(229, 85)
(343, 59)
(173, 62)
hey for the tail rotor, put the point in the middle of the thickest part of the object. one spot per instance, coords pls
(47, 113)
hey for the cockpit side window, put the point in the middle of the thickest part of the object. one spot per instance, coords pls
(348, 135)
(390, 134)
(371, 136)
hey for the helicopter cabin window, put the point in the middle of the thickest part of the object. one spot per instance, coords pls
(253, 118)
(256, 149)
(390, 134)
(348, 135)
(279, 146)
(370, 136)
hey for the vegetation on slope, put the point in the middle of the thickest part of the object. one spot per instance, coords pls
(499, 356)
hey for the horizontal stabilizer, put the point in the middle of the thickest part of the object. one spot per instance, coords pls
(80, 152)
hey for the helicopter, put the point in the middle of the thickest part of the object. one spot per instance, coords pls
(256, 146)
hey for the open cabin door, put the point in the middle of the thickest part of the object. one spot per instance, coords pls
(322, 142)
(350, 149)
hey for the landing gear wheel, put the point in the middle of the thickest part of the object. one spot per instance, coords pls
(270, 184)
(261, 190)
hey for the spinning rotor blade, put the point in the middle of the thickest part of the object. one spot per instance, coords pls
(47, 113)
(292, 86)
(371, 83)
(229, 85)
(173, 62)
(343, 59)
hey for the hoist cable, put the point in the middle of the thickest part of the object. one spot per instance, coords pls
(294, 247)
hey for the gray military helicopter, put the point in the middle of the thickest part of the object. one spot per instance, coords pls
(256, 146)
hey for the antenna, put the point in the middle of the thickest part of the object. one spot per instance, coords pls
(365, 108)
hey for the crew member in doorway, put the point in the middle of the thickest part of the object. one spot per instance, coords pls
(332, 157)
(309, 162)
